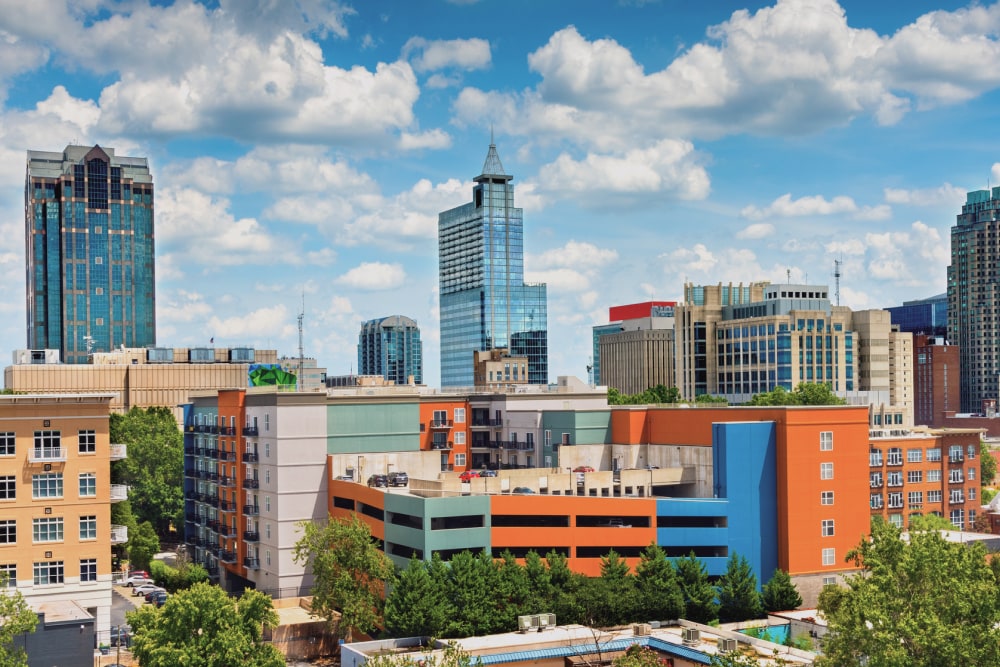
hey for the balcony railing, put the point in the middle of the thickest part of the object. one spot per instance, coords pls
(227, 506)
(119, 452)
(226, 455)
(211, 452)
(226, 530)
(45, 454)
(227, 430)
(251, 536)
(251, 484)
(227, 556)
(955, 458)
(119, 492)
(213, 570)
(249, 457)
(251, 563)
(251, 510)
(227, 481)
(119, 534)
(250, 430)
(441, 423)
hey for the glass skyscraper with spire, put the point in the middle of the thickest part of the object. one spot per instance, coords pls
(89, 249)
(485, 303)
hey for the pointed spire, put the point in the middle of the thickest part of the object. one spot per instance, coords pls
(493, 166)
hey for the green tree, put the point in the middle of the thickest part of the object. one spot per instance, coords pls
(805, 393)
(417, 605)
(350, 572)
(154, 467)
(16, 619)
(143, 544)
(987, 465)
(472, 579)
(737, 659)
(780, 594)
(202, 627)
(637, 655)
(514, 592)
(739, 599)
(658, 592)
(930, 522)
(452, 656)
(920, 602)
(616, 586)
(699, 594)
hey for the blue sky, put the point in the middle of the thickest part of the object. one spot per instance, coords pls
(306, 147)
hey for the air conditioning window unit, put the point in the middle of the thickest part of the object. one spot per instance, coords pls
(640, 629)
(525, 623)
(691, 635)
(726, 645)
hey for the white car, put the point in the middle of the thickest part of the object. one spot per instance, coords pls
(138, 580)
(142, 589)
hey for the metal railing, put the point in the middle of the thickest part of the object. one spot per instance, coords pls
(119, 534)
(119, 492)
(119, 452)
(39, 454)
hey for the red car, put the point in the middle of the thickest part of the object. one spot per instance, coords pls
(583, 469)
(467, 475)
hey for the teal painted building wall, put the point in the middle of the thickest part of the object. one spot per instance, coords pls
(360, 428)
(428, 525)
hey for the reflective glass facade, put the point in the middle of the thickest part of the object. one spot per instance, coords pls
(90, 252)
(485, 303)
(391, 347)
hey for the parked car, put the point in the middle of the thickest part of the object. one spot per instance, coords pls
(467, 475)
(487, 473)
(120, 634)
(522, 490)
(160, 599)
(378, 481)
(139, 573)
(152, 594)
(583, 469)
(143, 589)
(399, 478)
(138, 580)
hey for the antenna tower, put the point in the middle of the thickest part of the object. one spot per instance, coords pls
(836, 279)
(590, 371)
(302, 314)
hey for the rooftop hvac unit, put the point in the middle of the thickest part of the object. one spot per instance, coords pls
(525, 623)
(546, 621)
(641, 629)
(726, 645)
(691, 635)
(654, 625)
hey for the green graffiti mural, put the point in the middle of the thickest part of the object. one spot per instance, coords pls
(265, 375)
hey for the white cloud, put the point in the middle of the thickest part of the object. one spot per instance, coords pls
(907, 257)
(758, 230)
(560, 280)
(945, 195)
(574, 254)
(846, 247)
(786, 207)
(269, 321)
(399, 221)
(373, 276)
(432, 55)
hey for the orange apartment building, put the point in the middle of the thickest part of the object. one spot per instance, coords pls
(444, 427)
(55, 502)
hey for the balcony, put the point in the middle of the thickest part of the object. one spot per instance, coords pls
(955, 458)
(250, 457)
(119, 452)
(227, 430)
(251, 563)
(251, 484)
(226, 455)
(213, 570)
(190, 472)
(441, 445)
(226, 530)
(211, 452)
(227, 506)
(119, 534)
(119, 492)
(251, 536)
(227, 556)
(956, 499)
(956, 479)
(251, 510)
(250, 430)
(227, 481)
(46, 454)
(487, 423)
(442, 424)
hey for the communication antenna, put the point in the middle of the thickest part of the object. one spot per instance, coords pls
(836, 279)
(590, 371)
(788, 276)
(302, 314)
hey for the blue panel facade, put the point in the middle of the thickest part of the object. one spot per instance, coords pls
(484, 302)
(744, 458)
(698, 525)
(90, 252)
(390, 347)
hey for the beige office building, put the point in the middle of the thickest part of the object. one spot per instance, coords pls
(633, 361)
(138, 378)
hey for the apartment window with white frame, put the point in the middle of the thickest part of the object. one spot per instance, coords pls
(267, 503)
(267, 530)
(971, 474)
(914, 455)
(7, 447)
(87, 442)
(934, 496)
(48, 572)
(874, 457)
(459, 415)
(8, 574)
(829, 581)
(47, 485)
(829, 556)
(828, 527)
(896, 519)
(88, 527)
(956, 496)
(875, 501)
(825, 441)
(894, 478)
(894, 457)
(8, 487)
(49, 529)
(896, 500)
(267, 421)
(957, 518)
(971, 451)
(934, 475)
(8, 531)
(88, 569)
(459, 460)
(934, 454)
(267, 450)
(88, 484)
(459, 437)
(955, 477)
(826, 498)
(915, 498)
(267, 556)
(972, 493)
(914, 476)
(875, 480)
(826, 470)
(267, 475)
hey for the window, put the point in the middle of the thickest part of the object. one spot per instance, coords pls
(459, 415)
(47, 530)
(934, 454)
(933, 496)
(875, 480)
(955, 453)
(8, 574)
(7, 444)
(825, 441)
(459, 460)
(971, 474)
(829, 581)
(47, 485)
(88, 442)
(826, 470)
(829, 556)
(88, 527)
(896, 520)
(827, 527)
(894, 457)
(88, 484)
(894, 478)
(267, 503)
(915, 498)
(875, 457)
(970, 451)
(972, 493)
(8, 531)
(876, 501)
(267, 421)
(88, 569)
(8, 487)
(895, 500)
(267, 475)
(267, 450)
(955, 477)
(459, 437)
(267, 530)
(956, 497)
(48, 572)
(914, 455)
(934, 475)
(914, 476)
(48, 443)
(957, 518)
(826, 498)
(267, 556)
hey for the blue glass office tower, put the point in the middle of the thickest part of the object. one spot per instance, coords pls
(391, 347)
(89, 250)
(485, 303)
(926, 316)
